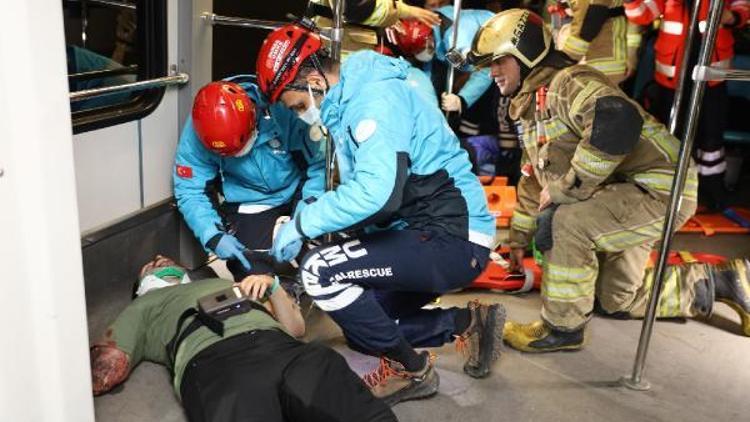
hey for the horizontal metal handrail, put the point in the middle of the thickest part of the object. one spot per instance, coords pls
(176, 79)
(103, 73)
(709, 73)
(113, 3)
(214, 19)
(120, 4)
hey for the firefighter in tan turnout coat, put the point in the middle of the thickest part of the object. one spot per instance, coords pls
(597, 32)
(597, 176)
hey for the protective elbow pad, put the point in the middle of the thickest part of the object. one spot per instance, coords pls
(596, 15)
(358, 10)
(617, 125)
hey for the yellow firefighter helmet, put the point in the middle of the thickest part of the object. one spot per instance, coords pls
(516, 32)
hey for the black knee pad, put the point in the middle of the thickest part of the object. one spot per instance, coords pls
(543, 236)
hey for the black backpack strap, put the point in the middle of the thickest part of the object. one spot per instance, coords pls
(201, 319)
(180, 334)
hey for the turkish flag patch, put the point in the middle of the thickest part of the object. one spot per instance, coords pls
(185, 172)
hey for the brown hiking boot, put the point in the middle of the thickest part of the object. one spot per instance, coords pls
(482, 342)
(393, 383)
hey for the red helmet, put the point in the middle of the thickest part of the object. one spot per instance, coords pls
(224, 117)
(415, 36)
(281, 55)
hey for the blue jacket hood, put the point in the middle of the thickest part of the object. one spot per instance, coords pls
(361, 68)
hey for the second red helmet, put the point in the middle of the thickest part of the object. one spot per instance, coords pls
(281, 55)
(414, 38)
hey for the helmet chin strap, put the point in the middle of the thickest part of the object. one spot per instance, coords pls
(316, 64)
(525, 71)
(308, 87)
(317, 91)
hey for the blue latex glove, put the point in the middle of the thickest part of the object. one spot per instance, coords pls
(287, 244)
(231, 248)
(486, 148)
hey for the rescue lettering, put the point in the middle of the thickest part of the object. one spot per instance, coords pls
(363, 273)
(276, 54)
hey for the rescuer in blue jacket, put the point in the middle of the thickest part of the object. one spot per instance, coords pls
(427, 44)
(414, 77)
(416, 218)
(263, 157)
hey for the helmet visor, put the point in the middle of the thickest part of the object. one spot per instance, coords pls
(480, 61)
(455, 58)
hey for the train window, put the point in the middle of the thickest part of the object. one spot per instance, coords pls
(111, 43)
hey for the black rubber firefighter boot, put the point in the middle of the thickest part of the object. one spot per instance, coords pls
(703, 303)
(732, 286)
(482, 342)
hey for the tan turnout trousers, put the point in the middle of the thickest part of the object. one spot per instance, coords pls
(612, 185)
(600, 248)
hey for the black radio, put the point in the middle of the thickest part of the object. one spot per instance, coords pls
(225, 303)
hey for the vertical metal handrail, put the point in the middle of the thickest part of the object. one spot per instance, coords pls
(84, 22)
(635, 381)
(454, 40)
(675, 115)
(337, 32)
(337, 36)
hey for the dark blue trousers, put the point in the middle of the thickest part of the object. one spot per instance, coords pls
(375, 286)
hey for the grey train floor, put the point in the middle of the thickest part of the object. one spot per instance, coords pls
(699, 370)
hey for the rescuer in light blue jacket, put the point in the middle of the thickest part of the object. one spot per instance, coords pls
(416, 218)
(391, 144)
(416, 78)
(259, 158)
(480, 80)
(427, 44)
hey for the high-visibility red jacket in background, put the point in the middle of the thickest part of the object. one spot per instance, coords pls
(670, 43)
